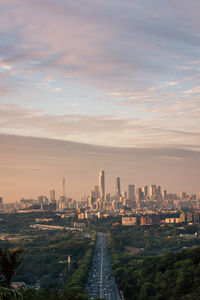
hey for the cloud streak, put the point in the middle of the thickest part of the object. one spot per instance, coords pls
(105, 129)
(139, 59)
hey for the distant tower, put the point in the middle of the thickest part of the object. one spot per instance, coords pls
(63, 186)
(52, 196)
(159, 191)
(1, 202)
(164, 195)
(152, 191)
(118, 188)
(96, 192)
(140, 195)
(102, 184)
(146, 191)
(131, 192)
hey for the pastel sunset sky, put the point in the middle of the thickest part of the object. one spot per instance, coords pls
(112, 75)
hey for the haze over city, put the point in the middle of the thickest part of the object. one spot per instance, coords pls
(33, 166)
(93, 85)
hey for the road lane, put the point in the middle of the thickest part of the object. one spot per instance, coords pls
(101, 276)
(101, 282)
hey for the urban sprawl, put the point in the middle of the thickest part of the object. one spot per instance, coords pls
(142, 206)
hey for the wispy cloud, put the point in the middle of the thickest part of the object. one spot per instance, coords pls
(57, 90)
(140, 59)
(97, 129)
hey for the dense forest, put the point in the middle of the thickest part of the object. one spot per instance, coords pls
(171, 277)
(145, 268)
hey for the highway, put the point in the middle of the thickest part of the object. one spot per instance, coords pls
(101, 281)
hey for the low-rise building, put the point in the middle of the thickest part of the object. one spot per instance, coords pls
(129, 221)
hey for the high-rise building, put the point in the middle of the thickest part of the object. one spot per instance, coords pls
(52, 196)
(124, 194)
(63, 187)
(159, 190)
(91, 199)
(1, 202)
(183, 195)
(131, 192)
(118, 188)
(108, 197)
(140, 195)
(146, 191)
(96, 192)
(164, 195)
(152, 191)
(102, 185)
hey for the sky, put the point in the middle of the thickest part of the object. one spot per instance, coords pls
(33, 166)
(115, 74)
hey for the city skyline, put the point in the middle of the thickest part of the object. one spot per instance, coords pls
(99, 149)
(89, 86)
(26, 174)
(150, 197)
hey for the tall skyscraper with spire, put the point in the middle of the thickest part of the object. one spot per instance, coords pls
(118, 188)
(102, 185)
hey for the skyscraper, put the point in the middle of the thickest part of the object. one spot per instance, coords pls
(146, 191)
(159, 192)
(52, 196)
(63, 186)
(140, 195)
(118, 188)
(96, 192)
(152, 191)
(131, 192)
(102, 185)
(131, 195)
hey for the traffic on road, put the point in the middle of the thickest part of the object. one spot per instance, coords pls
(101, 281)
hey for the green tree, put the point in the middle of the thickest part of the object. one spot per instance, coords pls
(10, 259)
(8, 294)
